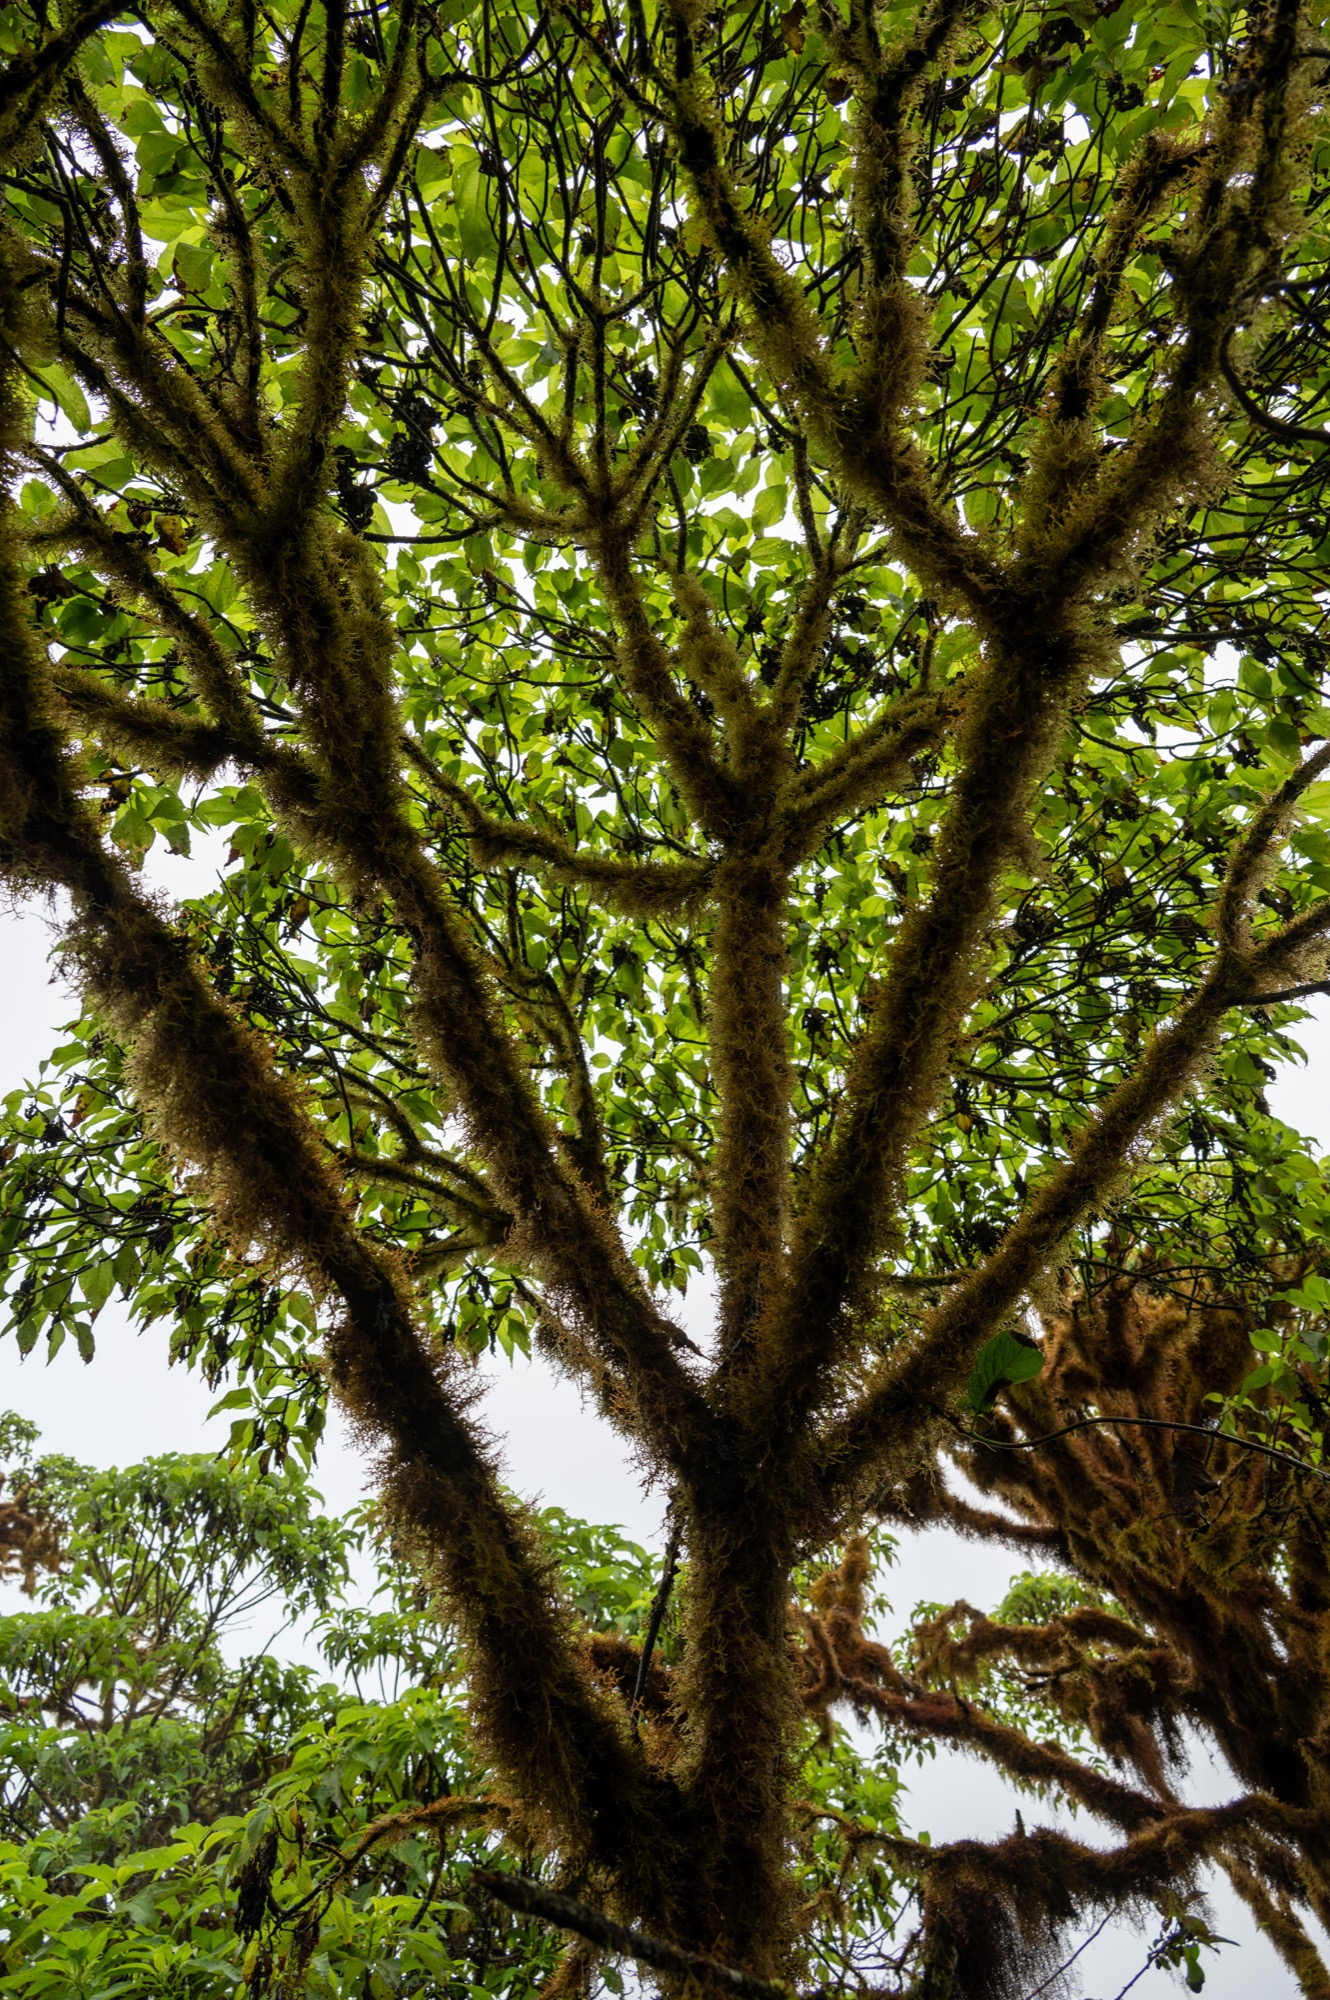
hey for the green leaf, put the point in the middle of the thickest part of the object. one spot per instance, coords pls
(1007, 1357)
(66, 394)
(96, 1281)
(193, 266)
(432, 169)
(473, 223)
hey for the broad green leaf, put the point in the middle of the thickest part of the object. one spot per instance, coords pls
(65, 393)
(1007, 1357)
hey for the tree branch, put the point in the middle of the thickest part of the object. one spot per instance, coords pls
(209, 1087)
(1012, 726)
(636, 888)
(855, 420)
(533, 1899)
(684, 739)
(855, 777)
(878, 1437)
(42, 66)
(1226, 248)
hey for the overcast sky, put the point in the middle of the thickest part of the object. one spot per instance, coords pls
(127, 1404)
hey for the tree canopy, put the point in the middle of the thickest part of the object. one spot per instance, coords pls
(748, 589)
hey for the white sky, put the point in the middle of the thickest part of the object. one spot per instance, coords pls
(127, 1404)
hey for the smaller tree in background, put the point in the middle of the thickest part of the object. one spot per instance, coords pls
(154, 1769)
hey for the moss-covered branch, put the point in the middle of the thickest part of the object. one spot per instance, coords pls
(218, 1103)
(878, 1437)
(859, 432)
(637, 888)
(1223, 255)
(856, 776)
(30, 77)
(1012, 724)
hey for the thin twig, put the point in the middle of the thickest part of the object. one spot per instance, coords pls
(1278, 427)
(1067, 1963)
(658, 1604)
(1146, 1423)
(1288, 993)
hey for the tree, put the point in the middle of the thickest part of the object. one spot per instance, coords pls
(749, 589)
(146, 1777)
